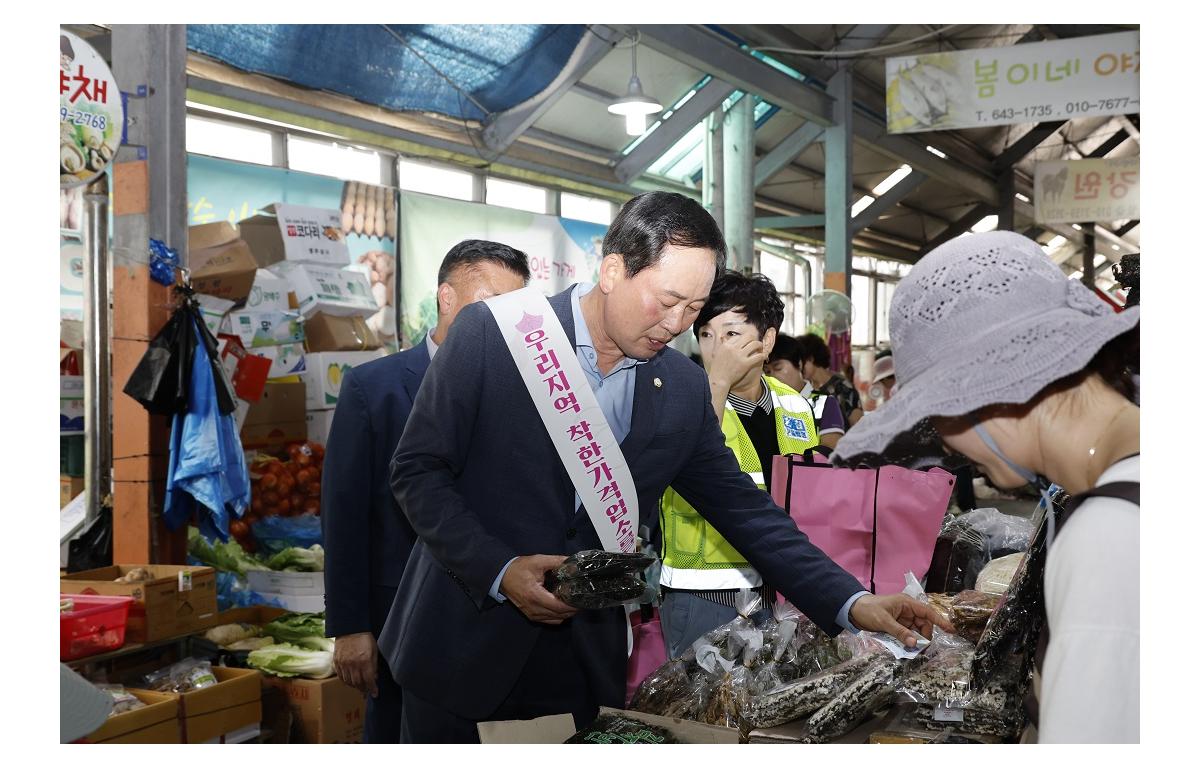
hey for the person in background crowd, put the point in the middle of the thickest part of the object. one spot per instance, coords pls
(812, 357)
(367, 538)
(761, 417)
(885, 374)
(830, 423)
(474, 635)
(1027, 373)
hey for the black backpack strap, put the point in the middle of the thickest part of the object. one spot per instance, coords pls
(1125, 490)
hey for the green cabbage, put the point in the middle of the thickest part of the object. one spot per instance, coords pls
(296, 627)
(298, 559)
(286, 660)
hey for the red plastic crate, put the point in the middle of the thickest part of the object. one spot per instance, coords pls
(95, 625)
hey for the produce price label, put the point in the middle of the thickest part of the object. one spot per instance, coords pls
(91, 117)
(1069, 191)
(1033, 82)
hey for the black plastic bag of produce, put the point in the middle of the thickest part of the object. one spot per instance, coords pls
(619, 729)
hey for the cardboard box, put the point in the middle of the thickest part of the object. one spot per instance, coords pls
(254, 614)
(225, 271)
(555, 729)
(235, 702)
(277, 418)
(319, 424)
(70, 405)
(264, 328)
(342, 292)
(296, 233)
(286, 360)
(330, 333)
(269, 292)
(287, 582)
(213, 309)
(323, 373)
(203, 236)
(68, 489)
(168, 605)
(156, 723)
(324, 711)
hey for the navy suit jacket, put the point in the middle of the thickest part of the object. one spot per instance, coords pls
(480, 481)
(367, 537)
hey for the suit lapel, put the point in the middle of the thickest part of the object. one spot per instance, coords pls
(414, 370)
(646, 410)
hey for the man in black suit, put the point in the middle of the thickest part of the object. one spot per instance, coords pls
(367, 538)
(473, 634)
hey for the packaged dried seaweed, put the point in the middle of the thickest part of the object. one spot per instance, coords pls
(594, 593)
(858, 699)
(798, 698)
(610, 728)
(969, 541)
(1010, 637)
(600, 564)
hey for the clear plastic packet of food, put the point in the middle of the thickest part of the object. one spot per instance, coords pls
(663, 688)
(123, 700)
(872, 688)
(594, 593)
(795, 699)
(940, 674)
(600, 564)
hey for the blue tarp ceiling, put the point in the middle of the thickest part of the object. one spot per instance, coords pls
(499, 65)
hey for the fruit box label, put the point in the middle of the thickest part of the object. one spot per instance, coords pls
(312, 234)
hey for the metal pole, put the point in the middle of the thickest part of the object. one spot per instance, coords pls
(97, 371)
(1089, 255)
(738, 162)
(713, 178)
(839, 148)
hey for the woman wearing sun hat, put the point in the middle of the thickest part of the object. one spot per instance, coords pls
(1027, 374)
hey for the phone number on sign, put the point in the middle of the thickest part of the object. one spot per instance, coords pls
(1033, 112)
(79, 117)
(1106, 105)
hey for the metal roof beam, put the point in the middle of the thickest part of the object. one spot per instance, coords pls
(507, 126)
(671, 130)
(594, 93)
(709, 52)
(1114, 141)
(887, 200)
(790, 222)
(961, 226)
(1017, 151)
(783, 154)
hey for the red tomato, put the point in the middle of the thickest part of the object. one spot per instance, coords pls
(269, 481)
(285, 507)
(271, 498)
(239, 529)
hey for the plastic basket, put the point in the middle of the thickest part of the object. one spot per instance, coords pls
(95, 624)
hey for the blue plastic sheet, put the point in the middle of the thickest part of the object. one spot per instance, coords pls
(393, 65)
(206, 474)
(277, 533)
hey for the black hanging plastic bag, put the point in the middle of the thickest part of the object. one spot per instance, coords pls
(161, 379)
(92, 547)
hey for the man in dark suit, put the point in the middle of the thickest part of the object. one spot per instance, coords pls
(367, 538)
(473, 634)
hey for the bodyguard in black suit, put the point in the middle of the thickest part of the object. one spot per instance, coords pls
(473, 634)
(367, 538)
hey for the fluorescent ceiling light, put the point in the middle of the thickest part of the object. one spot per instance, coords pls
(935, 151)
(861, 205)
(892, 180)
(1100, 259)
(1076, 275)
(986, 224)
(1116, 247)
(1077, 227)
(1056, 243)
(1022, 198)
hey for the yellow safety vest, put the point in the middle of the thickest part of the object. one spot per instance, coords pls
(695, 555)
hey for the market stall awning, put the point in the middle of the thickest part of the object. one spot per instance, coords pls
(461, 70)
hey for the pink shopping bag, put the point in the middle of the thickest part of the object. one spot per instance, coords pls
(649, 649)
(876, 524)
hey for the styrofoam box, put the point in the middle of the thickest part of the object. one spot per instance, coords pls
(287, 582)
(298, 603)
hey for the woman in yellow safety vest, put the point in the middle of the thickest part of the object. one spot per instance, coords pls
(761, 418)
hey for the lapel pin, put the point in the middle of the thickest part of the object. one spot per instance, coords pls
(658, 382)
